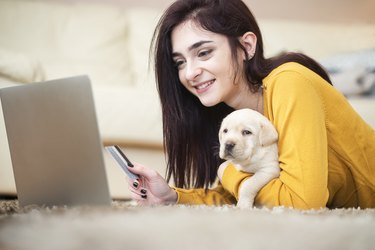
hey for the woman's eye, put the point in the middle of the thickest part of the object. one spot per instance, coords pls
(246, 132)
(178, 64)
(204, 53)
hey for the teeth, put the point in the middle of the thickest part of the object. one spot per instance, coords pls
(204, 85)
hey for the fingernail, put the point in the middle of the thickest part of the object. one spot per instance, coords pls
(143, 191)
(135, 184)
(144, 196)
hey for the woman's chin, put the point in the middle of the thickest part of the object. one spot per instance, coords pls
(208, 102)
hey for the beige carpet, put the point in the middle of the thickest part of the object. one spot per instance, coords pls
(126, 226)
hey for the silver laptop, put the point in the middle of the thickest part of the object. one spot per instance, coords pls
(54, 143)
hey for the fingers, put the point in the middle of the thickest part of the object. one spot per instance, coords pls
(143, 171)
(137, 188)
(150, 187)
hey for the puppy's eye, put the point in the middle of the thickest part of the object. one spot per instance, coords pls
(246, 132)
(225, 131)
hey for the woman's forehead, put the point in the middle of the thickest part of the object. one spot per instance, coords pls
(188, 33)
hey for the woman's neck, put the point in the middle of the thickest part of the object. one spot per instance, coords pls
(248, 99)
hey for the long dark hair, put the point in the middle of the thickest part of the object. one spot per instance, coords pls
(191, 129)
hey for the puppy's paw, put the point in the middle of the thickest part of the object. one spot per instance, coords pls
(245, 203)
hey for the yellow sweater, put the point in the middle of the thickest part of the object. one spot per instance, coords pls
(326, 150)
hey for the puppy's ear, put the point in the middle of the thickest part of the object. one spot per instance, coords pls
(268, 134)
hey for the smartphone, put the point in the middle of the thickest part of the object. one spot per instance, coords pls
(121, 160)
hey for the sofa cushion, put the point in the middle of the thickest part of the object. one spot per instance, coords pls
(69, 38)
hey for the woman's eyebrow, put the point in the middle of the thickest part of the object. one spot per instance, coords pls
(192, 47)
(198, 44)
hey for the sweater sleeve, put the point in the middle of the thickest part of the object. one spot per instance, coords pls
(296, 109)
(215, 196)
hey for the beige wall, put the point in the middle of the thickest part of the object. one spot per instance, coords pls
(348, 11)
(306, 10)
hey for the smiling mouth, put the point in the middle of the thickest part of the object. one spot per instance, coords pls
(203, 86)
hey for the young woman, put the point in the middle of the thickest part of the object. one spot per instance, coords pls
(209, 61)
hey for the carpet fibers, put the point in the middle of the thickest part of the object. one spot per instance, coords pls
(127, 226)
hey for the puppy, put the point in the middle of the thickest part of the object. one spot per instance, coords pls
(249, 141)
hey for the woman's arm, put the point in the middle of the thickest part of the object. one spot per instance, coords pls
(215, 196)
(152, 189)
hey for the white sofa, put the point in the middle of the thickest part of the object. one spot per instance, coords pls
(42, 40)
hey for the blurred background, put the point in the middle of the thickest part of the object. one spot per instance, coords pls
(109, 41)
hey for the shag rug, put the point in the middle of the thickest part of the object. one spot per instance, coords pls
(127, 226)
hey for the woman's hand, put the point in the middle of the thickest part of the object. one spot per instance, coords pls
(151, 188)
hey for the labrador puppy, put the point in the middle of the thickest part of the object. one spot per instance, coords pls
(249, 141)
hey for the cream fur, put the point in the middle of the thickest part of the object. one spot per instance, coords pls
(249, 141)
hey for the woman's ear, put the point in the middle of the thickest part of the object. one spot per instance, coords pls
(249, 42)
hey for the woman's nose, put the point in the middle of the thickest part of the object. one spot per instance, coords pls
(192, 71)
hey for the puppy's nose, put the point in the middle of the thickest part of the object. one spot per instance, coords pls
(229, 146)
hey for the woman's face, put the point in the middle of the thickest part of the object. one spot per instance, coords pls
(205, 65)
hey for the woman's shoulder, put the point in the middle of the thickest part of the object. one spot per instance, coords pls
(290, 73)
(289, 67)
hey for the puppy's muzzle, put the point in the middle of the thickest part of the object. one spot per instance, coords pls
(228, 150)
